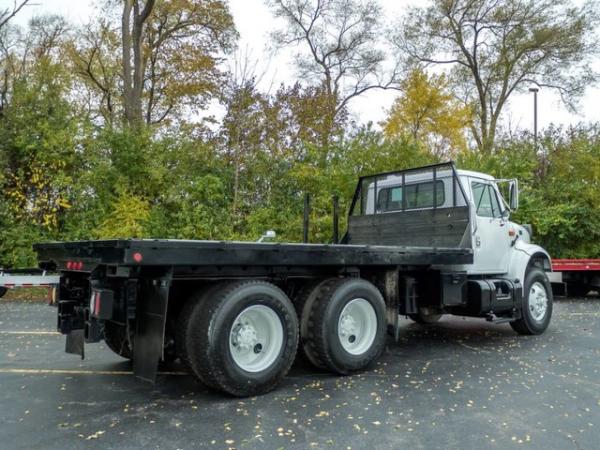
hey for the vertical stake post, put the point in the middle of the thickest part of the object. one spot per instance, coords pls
(305, 222)
(336, 219)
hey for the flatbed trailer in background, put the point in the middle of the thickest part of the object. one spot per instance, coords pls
(27, 278)
(579, 276)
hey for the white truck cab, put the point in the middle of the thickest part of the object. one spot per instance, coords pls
(500, 247)
(440, 206)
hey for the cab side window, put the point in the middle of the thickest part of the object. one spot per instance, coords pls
(486, 200)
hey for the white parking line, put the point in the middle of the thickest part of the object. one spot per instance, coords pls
(590, 314)
(78, 372)
(34, 333)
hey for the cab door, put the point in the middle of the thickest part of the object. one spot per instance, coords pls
(491, 242)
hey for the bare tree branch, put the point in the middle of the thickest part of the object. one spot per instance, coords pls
(9, 13)
(338, 47)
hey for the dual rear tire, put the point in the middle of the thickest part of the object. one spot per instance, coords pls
(241, 337)
(343, 325)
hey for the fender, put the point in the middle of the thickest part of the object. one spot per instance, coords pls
(524, 255)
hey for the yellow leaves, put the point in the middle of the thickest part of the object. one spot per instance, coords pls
(429, 113)
(127, 218)
(36, 194)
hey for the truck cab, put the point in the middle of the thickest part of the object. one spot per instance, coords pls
(500, 247)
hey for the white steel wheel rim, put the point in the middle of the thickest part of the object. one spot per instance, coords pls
(357, 326)
(537, 301)
(256, 338)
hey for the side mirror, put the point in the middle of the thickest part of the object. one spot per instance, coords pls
(513, 195)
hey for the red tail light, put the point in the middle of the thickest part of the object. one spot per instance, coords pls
(74, 265)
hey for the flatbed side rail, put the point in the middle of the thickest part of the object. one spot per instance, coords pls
(567, 265)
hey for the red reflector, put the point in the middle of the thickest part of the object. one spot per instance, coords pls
(137, 257)
(79, 265)
(69, 265)
(511, 232)
(97, 304)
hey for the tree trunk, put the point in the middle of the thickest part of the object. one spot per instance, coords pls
(126, 40)
(133, 38)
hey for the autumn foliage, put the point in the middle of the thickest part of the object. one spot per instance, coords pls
(74, 164)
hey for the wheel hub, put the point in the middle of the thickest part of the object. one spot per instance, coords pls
(538, 301)
(245, 337)
(347, 326)
(357, 326)
(256, 338)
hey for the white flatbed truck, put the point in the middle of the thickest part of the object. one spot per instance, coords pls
(420, 243)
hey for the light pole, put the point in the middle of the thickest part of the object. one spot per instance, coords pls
(535, 117)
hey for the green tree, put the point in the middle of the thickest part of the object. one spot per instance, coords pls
(561, 202)
(37, 141)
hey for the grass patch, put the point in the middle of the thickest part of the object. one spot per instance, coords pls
(27, 294)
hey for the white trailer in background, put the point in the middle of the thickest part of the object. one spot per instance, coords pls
(10, 279)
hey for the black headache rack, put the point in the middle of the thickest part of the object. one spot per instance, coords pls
(423, 207)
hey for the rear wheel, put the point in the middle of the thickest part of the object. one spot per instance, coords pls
(115, 338)
(345, 325)
(183, 320)
(303, 303)
(425, 317)
(537, 304)
(242, 338)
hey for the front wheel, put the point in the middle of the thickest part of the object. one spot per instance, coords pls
(3, 291)
(537, 304)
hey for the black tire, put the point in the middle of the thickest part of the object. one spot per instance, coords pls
(183, 320)
(303, 303)
(115, 338)
(208, 335)
(527, 324)
(424, 319)
(322, 341)
(577, 289)
(3, 291)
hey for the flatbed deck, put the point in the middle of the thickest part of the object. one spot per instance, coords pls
(168, 252)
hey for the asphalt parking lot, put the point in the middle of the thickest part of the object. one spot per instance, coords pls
(460, 384)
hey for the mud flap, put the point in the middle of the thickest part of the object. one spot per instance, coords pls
(151, 316)
(75, 343)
